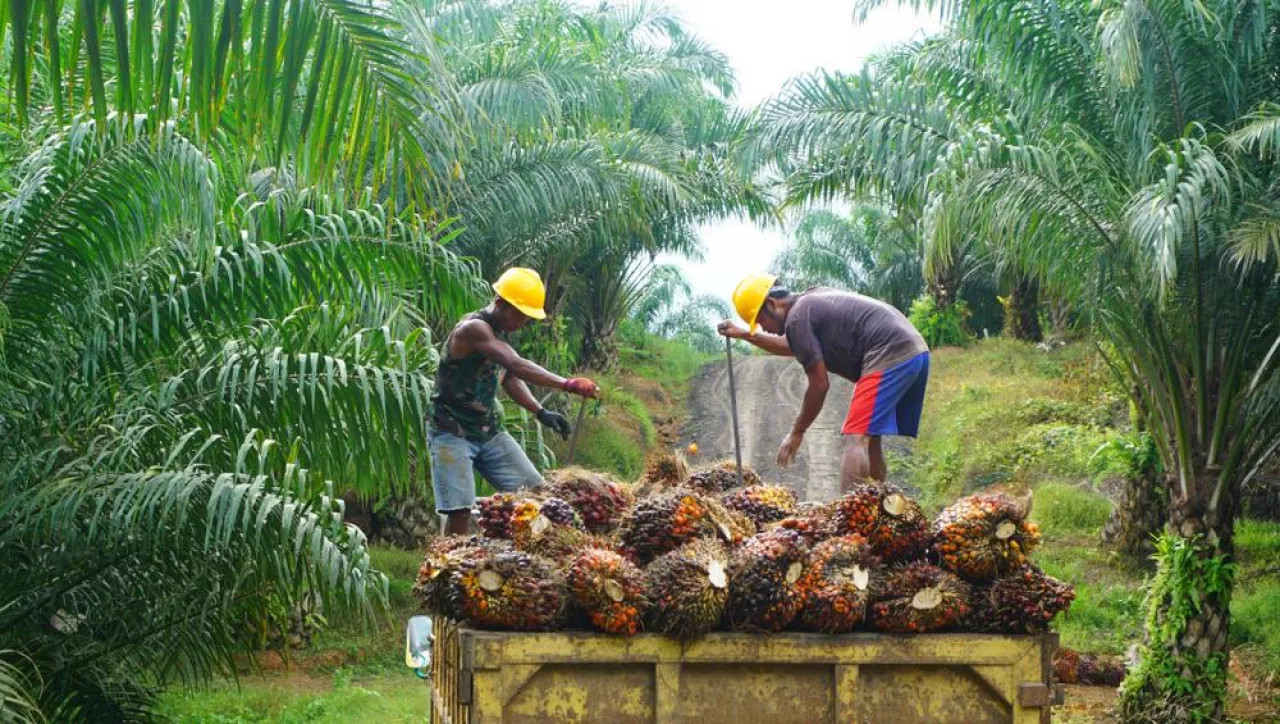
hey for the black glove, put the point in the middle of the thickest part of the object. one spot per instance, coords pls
(557, 422)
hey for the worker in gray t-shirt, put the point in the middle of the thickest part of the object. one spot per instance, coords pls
(859, 338)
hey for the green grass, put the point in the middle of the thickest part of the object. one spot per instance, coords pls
(1004, 412)
(292, 699)
(617, 435)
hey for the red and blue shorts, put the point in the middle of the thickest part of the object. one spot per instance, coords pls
(889, 401)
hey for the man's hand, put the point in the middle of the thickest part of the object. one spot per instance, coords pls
(582, 386)
(730, 328)
(787, 452)
(557, 422)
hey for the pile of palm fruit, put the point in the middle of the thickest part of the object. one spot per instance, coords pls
(684, 553)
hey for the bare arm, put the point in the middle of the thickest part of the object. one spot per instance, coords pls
(814, 397)
(476, 336)
(519, 391)
(771, 343)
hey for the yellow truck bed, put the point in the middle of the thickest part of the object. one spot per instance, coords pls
(576, 676)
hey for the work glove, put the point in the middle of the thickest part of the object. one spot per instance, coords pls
(556, 422)
(581, 386)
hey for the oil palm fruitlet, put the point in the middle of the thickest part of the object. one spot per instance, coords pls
(665, 470)
(599, 500)
(918, 598)
(764, 577)
(508, 589)
(984, 536)
(883, 514)
(550, 527)
(1021, 603)
(836, 586)
(762, 503)
(816, 521)
(442, 557)
(609, 589)
(494, 513)
(720, 477)
(688, 588)
(664, 521)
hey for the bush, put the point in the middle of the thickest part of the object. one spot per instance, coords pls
(940, 327)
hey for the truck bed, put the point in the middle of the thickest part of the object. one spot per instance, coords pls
(578, 676)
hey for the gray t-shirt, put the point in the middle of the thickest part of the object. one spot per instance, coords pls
(853, 334)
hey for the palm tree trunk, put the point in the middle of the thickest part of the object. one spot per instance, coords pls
(1137, 516)
(1022, 311)
(1182, 675)
(1059, 319)
(599, 347)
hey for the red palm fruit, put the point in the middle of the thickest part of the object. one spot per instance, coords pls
(609, 589)
(891, 522)
(442, 557)
(984, 536)
(538, 526)
(1022, 603)
(919, 598)
(494, 513)
(720, 477)
(837, 583)
(599, 500)
(764, 577)
(665, 521)
(508, 589)
(664, 470)
(688, 588)
(762, 503)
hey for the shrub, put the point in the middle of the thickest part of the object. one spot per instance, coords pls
(940, 327)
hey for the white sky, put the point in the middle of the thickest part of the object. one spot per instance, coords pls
(769, 42)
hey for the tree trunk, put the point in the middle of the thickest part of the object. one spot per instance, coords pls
(1022, 311)
(1137, 516)
(1182, 673)
(1059, 319)
(599, 348)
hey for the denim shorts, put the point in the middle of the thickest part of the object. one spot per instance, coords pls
(455, 460)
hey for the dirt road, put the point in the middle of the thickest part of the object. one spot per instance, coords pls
(770, 390)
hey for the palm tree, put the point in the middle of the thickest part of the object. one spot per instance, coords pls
(867, 251)
(180, 383)
(1130, 173)
(596, 140)
(314, 84)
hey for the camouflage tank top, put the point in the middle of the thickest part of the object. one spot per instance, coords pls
(465, 399)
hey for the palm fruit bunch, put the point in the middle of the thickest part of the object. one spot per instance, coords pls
(688, 588)
(762, 503)
(1023, 602)
(609, 589)
(665, 470)
(919, 598)
(836, 585)
(764, 577)
(508, 589)
(665, 521)
(600, 501)
(550, 528)
(1073, 667)
(494, 514)
(443, 555)
(813, 520)
(883, 514)
(721, 477)
(984, 536)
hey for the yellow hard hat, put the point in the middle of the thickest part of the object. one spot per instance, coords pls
(749, 297)
(522, 288)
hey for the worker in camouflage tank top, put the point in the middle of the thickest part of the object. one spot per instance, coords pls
(466, 435)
